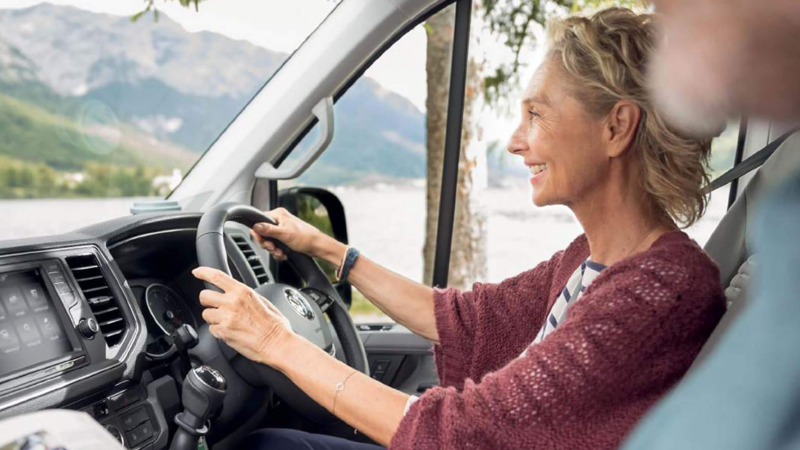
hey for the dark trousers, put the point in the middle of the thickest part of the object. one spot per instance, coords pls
(275, 439)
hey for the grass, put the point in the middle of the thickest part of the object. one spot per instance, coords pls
(362, 310)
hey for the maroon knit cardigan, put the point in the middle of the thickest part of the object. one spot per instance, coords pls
(625, 343)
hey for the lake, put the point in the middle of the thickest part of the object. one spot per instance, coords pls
(386, 222)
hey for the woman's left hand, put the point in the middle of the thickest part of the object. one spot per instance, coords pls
(246, 321)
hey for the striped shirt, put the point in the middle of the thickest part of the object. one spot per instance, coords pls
(576, 285)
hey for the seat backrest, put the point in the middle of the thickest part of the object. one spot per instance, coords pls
(731, 246)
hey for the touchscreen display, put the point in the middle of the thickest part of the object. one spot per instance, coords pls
(30, 330)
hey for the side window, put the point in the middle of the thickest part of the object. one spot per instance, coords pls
(723, 154)
(376, 164)
(311, 210)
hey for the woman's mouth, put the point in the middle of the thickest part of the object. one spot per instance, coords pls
(537, 171)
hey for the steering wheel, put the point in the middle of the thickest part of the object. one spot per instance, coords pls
(304, 308)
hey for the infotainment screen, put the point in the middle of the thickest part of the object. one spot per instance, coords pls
(30, 330)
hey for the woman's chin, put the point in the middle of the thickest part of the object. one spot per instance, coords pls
(539, 199)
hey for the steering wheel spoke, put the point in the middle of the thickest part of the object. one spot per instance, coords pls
(320, 298)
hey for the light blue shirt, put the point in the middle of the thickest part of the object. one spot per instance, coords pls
(747, 394)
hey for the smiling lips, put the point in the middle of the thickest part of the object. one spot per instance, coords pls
(536, 171)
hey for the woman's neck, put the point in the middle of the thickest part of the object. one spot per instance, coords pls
(619, 224)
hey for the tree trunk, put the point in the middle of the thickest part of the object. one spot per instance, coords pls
(468, 254)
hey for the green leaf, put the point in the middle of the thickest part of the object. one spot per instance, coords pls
(137, 16)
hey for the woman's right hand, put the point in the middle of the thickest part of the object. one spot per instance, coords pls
(296, 234)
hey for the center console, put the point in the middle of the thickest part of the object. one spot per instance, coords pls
(67, 337)
(37, 339)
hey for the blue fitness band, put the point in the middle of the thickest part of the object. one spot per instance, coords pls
(347, 264)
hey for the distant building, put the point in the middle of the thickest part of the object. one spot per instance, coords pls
(165, 184)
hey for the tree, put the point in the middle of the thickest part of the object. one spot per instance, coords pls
(468, 254)
(511, 21)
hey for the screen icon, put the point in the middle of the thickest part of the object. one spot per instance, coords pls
(28, 332)
(37, 298)
(13, 301)
(49, 325)
(8, 339)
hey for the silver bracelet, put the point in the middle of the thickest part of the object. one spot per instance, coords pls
(340, 388)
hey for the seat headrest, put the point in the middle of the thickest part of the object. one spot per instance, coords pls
(730, 244)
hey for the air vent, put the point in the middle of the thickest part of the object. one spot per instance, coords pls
(101, 299)
(252, 258)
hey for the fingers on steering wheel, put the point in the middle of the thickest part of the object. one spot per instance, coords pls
(213, 316)
(216, 277)
(211, 299)
(269, 246)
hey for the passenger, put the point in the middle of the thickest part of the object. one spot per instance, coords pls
(726, 58)
(569, 354)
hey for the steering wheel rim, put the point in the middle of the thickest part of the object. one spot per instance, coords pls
(211, 252)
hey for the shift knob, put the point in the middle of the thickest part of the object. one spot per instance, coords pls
(203, 393)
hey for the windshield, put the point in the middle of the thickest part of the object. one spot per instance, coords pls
(103, 104)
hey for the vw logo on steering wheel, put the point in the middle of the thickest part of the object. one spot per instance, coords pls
(299, 304)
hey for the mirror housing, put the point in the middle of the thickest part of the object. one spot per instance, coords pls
(324, 210)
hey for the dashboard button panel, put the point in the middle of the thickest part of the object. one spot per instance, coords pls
(124, 399)
(140, 434)
(134, 418)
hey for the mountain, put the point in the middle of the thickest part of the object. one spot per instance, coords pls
(156, 81)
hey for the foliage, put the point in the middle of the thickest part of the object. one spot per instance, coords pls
(311, 210)
(512, 22)
(24, 179)
(34, 134)
(151, 6)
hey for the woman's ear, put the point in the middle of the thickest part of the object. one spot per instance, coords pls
(621, 126)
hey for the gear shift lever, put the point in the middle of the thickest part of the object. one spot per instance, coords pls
(203, 393)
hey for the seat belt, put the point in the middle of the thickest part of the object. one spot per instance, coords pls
(750, 164)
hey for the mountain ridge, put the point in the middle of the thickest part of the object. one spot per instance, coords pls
(184, 88)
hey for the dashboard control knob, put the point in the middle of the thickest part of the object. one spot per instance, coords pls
(88, 328)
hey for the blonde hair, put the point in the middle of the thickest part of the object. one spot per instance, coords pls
(606, 56)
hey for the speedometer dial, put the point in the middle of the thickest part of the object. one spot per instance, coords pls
(167, 308)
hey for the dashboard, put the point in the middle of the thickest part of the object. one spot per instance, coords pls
(85, 319)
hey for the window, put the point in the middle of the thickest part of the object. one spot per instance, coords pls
(376, 163)
(723, 155)
(96, 108)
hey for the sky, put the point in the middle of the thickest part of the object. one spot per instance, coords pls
(276, 25)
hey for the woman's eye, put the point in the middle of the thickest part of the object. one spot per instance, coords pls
(533, 114)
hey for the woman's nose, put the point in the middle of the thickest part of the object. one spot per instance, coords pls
(517, 144)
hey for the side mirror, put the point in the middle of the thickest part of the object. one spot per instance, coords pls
(324, 210)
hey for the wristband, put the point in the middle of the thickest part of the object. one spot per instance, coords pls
(350, 257)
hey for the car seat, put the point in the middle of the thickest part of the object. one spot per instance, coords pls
(731, 245)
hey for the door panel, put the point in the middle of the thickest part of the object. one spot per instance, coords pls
(399, 358)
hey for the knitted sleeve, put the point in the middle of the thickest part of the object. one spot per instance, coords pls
(625, 343)
(475, 326)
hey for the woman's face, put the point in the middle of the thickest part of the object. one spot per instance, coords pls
(559, 140)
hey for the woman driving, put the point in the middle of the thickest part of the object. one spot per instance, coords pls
(569, 354)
